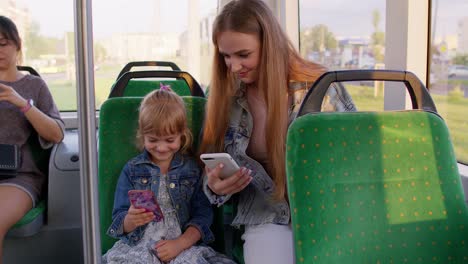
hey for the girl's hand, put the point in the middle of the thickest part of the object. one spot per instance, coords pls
(167, 250)
(233, 184)
(135, 218)
(8, 94)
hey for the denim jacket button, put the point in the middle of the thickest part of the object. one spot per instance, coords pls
(172, 185)
(112, 231)
(177, 206)
(144, 181)
(155, 182)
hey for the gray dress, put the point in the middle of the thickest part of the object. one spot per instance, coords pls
(16, 129)
(144, 253)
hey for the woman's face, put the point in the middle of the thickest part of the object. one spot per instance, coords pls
(241, 54)
(8, 53)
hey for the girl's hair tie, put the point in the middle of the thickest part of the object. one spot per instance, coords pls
(164, 87)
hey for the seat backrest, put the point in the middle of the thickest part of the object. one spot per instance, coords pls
(138, 88)
(375, 188)
(117, 145)
(134, 64)
(140, 83)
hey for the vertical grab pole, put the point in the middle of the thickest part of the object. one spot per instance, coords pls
(87, 131)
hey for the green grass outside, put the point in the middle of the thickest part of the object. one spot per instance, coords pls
(65, 94)
(364, 99)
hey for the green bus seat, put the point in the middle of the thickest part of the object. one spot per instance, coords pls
(117, 130)
(375, 187)
(31, 222)
(138, 88)
(128, 67)
(140, 83)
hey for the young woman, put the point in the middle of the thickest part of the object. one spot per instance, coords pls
(257, 85)
(174, 177)
(26, 108)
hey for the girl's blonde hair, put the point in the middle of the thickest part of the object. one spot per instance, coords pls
(279, 64)
(162, 113)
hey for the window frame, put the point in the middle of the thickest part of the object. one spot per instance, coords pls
(407, 44)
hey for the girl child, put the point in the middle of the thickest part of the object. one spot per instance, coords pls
(175, 179)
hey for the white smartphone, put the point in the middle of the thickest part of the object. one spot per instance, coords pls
(213, 159)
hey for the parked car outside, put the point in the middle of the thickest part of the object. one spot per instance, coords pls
(458, 71)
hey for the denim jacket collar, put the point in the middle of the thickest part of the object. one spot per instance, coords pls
(144, 158)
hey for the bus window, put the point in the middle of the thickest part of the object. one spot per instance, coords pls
(47, 44)
(177, 31)
(448, 77)
(327, 38)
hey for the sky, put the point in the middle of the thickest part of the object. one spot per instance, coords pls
(448, 12)
(338, 15)
(109, 16)
(343, 17)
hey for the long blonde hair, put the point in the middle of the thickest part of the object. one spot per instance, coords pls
(279, 63)
(162, 113)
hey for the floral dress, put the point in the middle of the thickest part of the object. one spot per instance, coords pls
(169, 228)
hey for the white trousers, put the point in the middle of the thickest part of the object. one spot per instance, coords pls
(268, 243)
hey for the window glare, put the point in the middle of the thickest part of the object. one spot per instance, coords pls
(327, 38)
(152, 30)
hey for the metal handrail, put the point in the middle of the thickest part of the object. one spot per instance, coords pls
(87, 131)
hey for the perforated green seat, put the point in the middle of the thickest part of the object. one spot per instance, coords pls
(140, 83)
(30, 223)
(375, 188)
(117, 130)
(31, 215)
(142, 87)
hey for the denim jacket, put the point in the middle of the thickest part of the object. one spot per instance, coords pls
(185, 189)
(255, 204)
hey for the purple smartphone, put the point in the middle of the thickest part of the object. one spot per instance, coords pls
(145, 199)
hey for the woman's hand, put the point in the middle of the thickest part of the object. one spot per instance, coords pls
(8, 94)
(135, 218)
(169, 249)
(233, 184)
(44, 125)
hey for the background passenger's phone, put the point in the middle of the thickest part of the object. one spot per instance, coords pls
(213, 159)
(145, 199)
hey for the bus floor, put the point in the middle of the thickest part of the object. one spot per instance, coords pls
(47, 246)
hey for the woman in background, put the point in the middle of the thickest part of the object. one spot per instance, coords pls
(26, 108)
